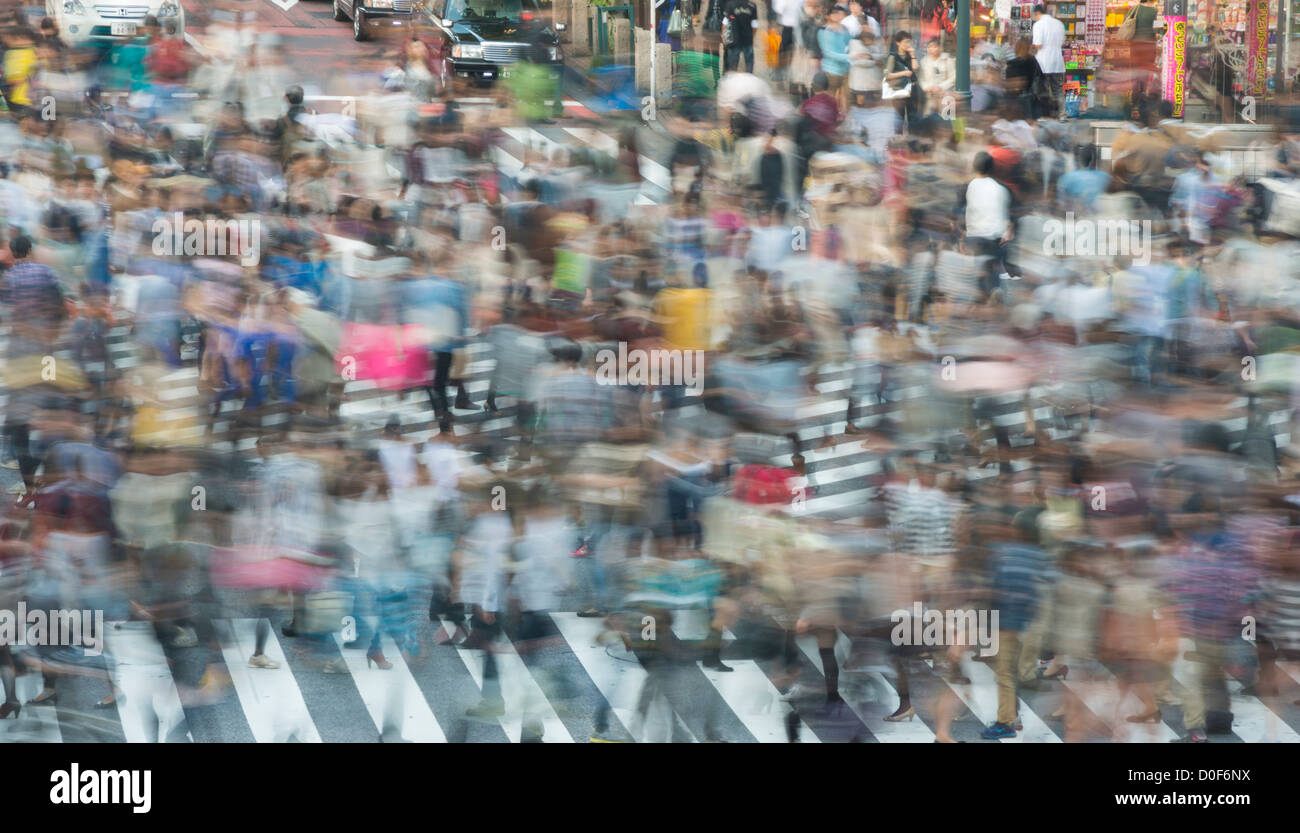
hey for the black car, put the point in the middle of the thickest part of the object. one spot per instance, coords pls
(375, 16)
(481, 39)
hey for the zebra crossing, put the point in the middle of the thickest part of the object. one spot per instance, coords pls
(424, 699)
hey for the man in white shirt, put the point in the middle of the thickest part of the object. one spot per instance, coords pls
(988, 219)
(1049, 38)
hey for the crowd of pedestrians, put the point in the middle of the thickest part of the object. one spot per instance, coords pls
(951, 360)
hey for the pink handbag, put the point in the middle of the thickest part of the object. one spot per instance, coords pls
(393, 356)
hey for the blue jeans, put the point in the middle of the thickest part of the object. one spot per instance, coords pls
(1148, 359)
(734, 56)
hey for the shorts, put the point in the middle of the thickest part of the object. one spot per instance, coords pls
(837, 82)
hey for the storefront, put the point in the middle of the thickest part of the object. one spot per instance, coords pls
(1214, 60)
(1084, 38)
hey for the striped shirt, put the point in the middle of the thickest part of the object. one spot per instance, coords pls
(922, 521)
(1018, 573)
(30, 293)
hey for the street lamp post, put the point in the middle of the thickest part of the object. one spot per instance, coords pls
(963, 49)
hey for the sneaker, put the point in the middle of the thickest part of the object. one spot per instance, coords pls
(998, 731)
(795, 692)
(262, 661)
(1194, 736)
(335, 666)
(186, 637)
(605, 737)
(486, 708)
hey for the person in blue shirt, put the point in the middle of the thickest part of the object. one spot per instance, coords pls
(442, 304)
(1078, 190)
(833, 39)
(1020, 568)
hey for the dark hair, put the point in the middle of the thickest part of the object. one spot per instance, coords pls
(902, 35)
(1039, 8)
(294, 95)
(741, 126)
(1087, 155)
(983, 163)
(932, 40)
(567, 353)
(21, 246)
(821, 83)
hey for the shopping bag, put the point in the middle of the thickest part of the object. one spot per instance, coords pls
(323, 612)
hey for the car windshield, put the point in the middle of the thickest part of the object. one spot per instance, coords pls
(507, 9)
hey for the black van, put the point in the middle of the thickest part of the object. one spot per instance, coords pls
(481, 39)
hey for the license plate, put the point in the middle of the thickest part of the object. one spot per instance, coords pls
(123, 29)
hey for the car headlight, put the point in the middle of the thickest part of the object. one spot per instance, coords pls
(470, 52)
(168, 9)
(553, 52)
(73, 7)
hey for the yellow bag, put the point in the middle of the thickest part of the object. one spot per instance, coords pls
(29, 371)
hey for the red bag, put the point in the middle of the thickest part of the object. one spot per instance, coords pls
(764, 484)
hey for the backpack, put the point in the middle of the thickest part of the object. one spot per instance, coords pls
(761, 484)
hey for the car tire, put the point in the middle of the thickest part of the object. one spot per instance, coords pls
(358, 23)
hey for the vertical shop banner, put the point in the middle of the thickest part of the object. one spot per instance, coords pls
(1174, 65)
(1094, 22)
(1257, 48)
